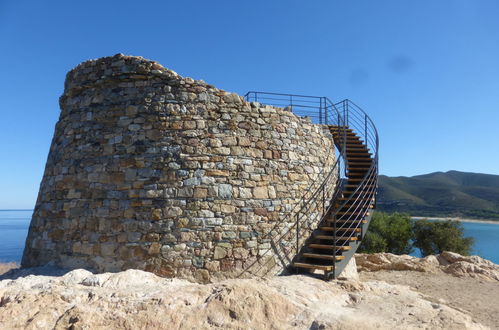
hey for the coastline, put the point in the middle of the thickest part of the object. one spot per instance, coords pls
(457, 219)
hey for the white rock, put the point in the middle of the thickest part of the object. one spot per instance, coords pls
(350, 271)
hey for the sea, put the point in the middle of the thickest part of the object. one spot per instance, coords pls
(14, 226)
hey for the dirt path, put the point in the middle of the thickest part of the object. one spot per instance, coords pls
(479, 298)
(5, 267)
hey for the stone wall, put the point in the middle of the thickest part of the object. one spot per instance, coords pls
(154, 171)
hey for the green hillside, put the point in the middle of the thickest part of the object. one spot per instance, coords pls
(450, 194)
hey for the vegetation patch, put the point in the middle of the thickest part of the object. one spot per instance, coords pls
(397, 233)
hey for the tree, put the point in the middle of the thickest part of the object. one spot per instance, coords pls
(388, 233)
(434, 237)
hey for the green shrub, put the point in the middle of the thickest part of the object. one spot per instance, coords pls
(397, 233)
(433, 237)
(388, 233)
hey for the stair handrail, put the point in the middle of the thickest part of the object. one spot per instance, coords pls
(366, 191)
(345, 115)
(327, 114)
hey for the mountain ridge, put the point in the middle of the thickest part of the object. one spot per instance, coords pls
(451, 193)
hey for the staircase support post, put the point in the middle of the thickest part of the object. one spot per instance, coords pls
(297, 234)
(325, 109)
(365, 128)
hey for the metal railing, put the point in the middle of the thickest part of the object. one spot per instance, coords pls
(316, 201)
(356, 207)
(319, 201)
(318, 108)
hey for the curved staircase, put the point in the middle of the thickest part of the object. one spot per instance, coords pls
(333, 218)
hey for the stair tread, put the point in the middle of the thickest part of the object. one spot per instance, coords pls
(364, 157)
(363, 160)
(313, 266)
(356, 175)
(356, 150)
(341, 229)
(359, 206)
(355, 186)
(343, 212)
(327, 246)
(356, 198)
(356, 164)
(342, 220)
(350, 238)
(322, 256)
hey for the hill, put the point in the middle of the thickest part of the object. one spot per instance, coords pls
(450, 194)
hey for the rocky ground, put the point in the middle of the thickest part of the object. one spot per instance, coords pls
(400, 292)
(468, 284)
(5, 267)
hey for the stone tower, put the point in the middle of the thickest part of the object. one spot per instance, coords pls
(154, 171)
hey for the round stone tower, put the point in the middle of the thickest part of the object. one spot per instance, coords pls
(154, 171)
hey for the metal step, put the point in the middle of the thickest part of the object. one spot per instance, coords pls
(354, 179)
(354, 186)
(337, 238)
(340, 221)
(329, 247)
(322, 256)
(349, 212)
(359, 167)
(357, 230)
(365, 160)
(312, 266)
(343, 199)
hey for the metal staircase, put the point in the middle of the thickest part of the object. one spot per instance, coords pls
(333, 216)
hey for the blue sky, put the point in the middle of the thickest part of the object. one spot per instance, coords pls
(426, 71)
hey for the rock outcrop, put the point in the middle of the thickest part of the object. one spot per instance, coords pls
(448, 262)
(135, 299)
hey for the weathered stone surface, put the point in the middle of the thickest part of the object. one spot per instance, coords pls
(448, 262)
(154, 171)
(134, 299)
(219, 253)
(350, 271)
(261, 192)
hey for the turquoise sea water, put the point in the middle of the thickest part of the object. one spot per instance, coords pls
(14, 228)
(486, 239)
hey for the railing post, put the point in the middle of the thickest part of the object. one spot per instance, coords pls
(325, 109)
(346, 112)
(365, 128)
(334, 246)
(297, 233)
(320, 111)
(323, 200)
